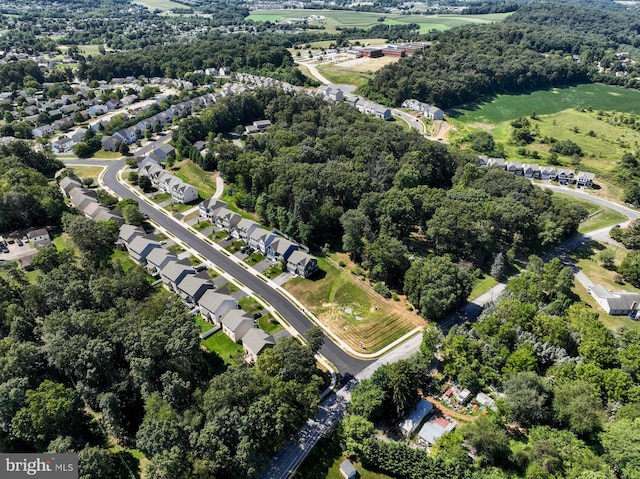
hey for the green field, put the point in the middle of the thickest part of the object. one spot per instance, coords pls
(87, 171)
(220, 343)
(164, 5)
(191, 173)
(351, 19)
(343, 76)
(546, 102)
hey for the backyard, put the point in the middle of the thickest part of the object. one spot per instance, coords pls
(351, 310)
(219, 343)
(189, 172)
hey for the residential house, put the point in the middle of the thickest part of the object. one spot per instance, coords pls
(173, 272)
(62, 144)
(157, 259)
(163, 152)
(262, 125)
(63, 123)
(128, 233)
(486, 401)
(565, 176)
(79, 135)
(225, 218)
(235, 324)
(585, 179)
(128, 135)
(280, 248)
(97, 110)
(347, 470)
(497, 163)
(616, 303)
(111, 143)
(531, 170)
(433, 113)
(140, 247)
(209, 207)
(382, 112)
(67, 184)
(302, 264)
(129, 99)
(260, 238)
(184, 193)
(213, 306)
(463, 396)
(39, 238)
(193, 286)
(415, 417)
(515, 167)
(42, 130)
(243, 229)
(105, 214)
(255, 341)
(113, 104)
(548, 173)
(434, 429)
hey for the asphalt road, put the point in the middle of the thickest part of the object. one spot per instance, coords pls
(345, 363)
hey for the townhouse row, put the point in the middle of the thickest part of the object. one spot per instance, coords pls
(272, 245)
(86, 201)
(166, 182)
(196, 290)
(548, 173)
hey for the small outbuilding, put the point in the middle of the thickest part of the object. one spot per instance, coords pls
(348, 470)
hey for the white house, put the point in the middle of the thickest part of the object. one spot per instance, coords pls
(616, 303)
(213, 306)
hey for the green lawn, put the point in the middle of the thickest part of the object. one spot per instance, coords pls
(219, 342)
(250, 305)
(176, 207)
(272, 271)
(89, 49)
(175, 249)
(194, 260)
(610, 321)
(350, 19)
(164, 5)
(254, 258)
(603, 218)
(269, 324)
(587, 260)
(62, 241)
(234, 246)
(124, 259)
(160, 197)
(191, 173)
(107, 155)
(87, 171)
(232, 288)
(341, 75)
(481, 286)
(218, 235)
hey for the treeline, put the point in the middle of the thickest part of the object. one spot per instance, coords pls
(27, 196)
(90, 340)
(470, 62)
(238, 52)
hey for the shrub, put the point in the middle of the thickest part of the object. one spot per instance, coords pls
(382, 290)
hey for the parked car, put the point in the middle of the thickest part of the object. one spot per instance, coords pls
(4, 249)
(257, 315)
(10, 241)
(20, 243)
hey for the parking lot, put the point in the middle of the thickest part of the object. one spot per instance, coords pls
(15, 249)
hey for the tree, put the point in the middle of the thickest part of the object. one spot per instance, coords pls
(527, 397)
(431, 337)
(630, 268)
(123, 149)
(386, 260)
(98, 463)
(576, 405)
(437, 285)
(607, 258)
(315, 338)
(50, 410)
(356, 227)
(498, 266)
(621, 442)
(82, 150)
(132, 215)
(132, 177)
(94, 239)
(367, 400)
(144, 183)
(354, 432)
(489, 439)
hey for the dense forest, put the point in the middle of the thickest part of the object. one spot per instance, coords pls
(27, 195)
(571, 405)
(245, 53)
(91, 356)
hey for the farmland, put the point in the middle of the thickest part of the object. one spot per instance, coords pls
(351, 19)
(164, 5)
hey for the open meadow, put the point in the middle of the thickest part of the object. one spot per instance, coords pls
(164, 5)
(351, 310)
(351, 19)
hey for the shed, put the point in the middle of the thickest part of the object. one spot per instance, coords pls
(347, 469)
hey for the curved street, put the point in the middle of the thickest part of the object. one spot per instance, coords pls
(345, 364)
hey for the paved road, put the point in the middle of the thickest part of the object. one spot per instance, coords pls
(341, 360)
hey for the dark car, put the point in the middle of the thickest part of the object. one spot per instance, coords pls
(4, 249)
(20, 243)
(257, 315)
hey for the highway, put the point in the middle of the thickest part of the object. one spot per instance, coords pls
(346, 364)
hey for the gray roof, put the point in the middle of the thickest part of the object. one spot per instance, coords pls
(213, 204)
(256, 340)
(299, 257)
(211, 300)
(174, 269)
(235, 318)
(281, 245)
(127, 232)
(192, 283)
(140, 243)
(68, 183)
(347, 469)
(157, 255)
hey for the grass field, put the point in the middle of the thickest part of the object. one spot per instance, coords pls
(164, 5)
(352, 19)
(191, 173)
(106, 155)
(603, 218)
(90, 50)
(87, 171)
(481, 286)
(343, 75)
(602, 143)
(351, 310)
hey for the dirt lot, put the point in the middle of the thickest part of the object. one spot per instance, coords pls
(368, 64)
